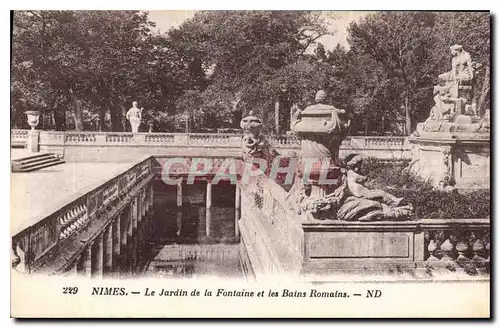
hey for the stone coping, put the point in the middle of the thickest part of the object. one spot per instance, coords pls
(432, 224)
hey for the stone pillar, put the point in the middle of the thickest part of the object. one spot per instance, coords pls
(108, 250)
(125, 224)
(179, 208)
(133, 261)
(237, 206)
(84, 265)
(74, 269)
(33, 135)
(208, 214)
(179, 194)
(34, 141)
(98, 258)
(116, 241)
(179, 221)
(138, 232)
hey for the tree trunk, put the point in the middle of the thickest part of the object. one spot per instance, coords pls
(77, 110)
(383, 123)
(116, 119)
(102, 114)
(484, 91)
(59, 119)
(124, 119)
(407, 114)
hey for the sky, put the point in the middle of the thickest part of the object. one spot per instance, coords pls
(166, 19)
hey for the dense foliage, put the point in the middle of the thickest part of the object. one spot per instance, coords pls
(428, 202)
(82, 69)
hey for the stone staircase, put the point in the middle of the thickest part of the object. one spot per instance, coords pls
(35, 162)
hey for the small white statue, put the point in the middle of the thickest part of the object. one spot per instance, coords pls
(134, 115)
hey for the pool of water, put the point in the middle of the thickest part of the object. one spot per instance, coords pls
(189, 261)
(182, 246)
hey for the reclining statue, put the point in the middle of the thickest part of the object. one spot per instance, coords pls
(353, 201)
(355, 183)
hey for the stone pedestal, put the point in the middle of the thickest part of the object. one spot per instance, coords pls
(33, 141)
(463, 158)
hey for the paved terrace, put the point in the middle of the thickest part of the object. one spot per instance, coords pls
(36, 195)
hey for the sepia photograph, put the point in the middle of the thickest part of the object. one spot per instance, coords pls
(288, 163)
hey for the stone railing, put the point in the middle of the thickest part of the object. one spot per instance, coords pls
(85, 218)
(291, 141)
(420, 249)
(459, 246)
(108, 146)
(284, 141)
(18, 138)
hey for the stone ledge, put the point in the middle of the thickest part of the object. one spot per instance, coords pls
(337, 225)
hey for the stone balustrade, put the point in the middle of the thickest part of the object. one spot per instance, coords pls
(85, 235)
(18, 138)
(461, 246)
(167, 138)
(108, 146)
(284, 140)
(65, 142)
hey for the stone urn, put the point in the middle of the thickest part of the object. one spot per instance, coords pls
(321, 129)
(33, 118)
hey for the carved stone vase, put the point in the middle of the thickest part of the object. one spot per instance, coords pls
(33, 118)
(321, 133)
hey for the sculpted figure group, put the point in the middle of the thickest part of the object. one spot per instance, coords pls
(454, 97)
(322, 127)
(353, 200)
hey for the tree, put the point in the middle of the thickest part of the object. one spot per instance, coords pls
(412, 48)
(94, 62)
(244, 57)
(400, 42)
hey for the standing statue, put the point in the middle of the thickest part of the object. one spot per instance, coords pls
(134, 115)
(461, 66)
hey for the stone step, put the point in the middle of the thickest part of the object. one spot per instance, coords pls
(32, 157)
(28, 161)
(39, 165)
(35, 162)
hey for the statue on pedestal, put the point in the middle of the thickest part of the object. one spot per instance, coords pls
(322, 128)
(134, 115)
(254, 142)
(455, 105)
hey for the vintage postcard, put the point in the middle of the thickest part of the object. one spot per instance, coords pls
(266, 164)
